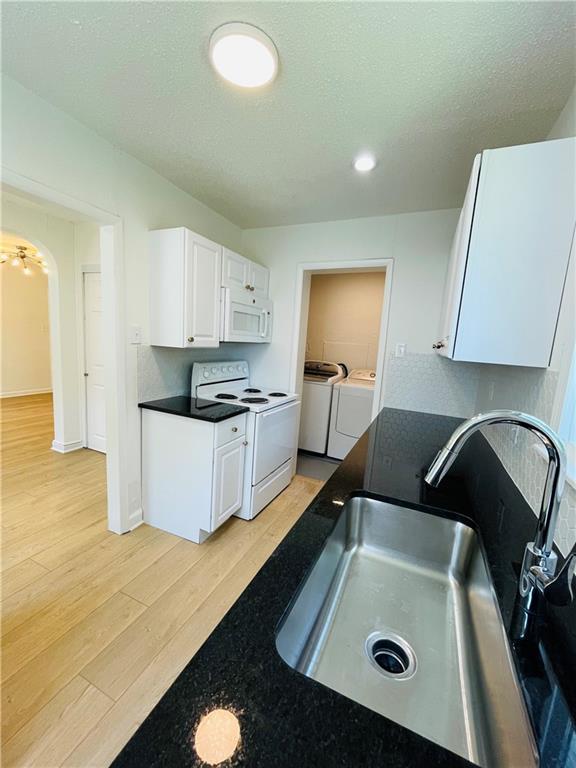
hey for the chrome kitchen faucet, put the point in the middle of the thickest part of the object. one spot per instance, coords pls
(537, 576)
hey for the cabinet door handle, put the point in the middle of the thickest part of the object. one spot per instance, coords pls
(190, 339)
(245, 442)
(234, 429)
(438, 345)
(247, 286)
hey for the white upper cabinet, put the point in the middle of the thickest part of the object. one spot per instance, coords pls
(235, 270)
(240, 273)
(510, 256)
(259, 279)
(184, 289)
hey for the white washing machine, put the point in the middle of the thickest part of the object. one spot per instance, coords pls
(351, 412)
(319, 380)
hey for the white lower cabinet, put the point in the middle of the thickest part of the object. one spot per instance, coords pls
(228, 481)
(192, 472)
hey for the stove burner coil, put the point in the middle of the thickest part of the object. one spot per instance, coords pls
(277, 394)
(226, 396)
(255, 400)
(253, 390)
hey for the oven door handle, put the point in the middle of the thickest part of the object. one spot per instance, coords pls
(279, 409)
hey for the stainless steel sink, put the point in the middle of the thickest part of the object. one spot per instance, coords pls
(399, 615)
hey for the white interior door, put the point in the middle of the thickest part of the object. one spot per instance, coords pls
(94, 363)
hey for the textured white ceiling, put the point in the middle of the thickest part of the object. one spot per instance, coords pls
(424, 85)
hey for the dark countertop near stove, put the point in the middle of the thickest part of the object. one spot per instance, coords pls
(287, 719)
(194, 408)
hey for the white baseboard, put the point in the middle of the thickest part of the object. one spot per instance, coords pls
(25, 392)
(67, 447)
(135, 518)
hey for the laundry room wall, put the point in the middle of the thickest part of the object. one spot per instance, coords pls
(344, 318)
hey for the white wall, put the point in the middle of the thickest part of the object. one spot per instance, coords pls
(565, 125)
(86, 244)
(419, 243)
(44, 144)
(25, 338)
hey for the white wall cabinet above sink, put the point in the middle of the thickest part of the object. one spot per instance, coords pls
(240, 273)
(184, 274)
(510, 256)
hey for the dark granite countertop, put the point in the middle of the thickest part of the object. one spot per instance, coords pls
(195, 408)
(287, 719)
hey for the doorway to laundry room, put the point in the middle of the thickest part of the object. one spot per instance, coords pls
(341, 345)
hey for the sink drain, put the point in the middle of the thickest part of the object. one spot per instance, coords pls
(391, 655)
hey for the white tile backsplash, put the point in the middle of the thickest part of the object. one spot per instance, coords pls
(164, 371)
(432, 384)
(532, 391)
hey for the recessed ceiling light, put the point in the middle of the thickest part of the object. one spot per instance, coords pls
(243, 55)
(365, 163)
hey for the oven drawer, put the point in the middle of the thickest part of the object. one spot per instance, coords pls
(231, 429)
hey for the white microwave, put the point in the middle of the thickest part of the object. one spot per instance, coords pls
(245, 317)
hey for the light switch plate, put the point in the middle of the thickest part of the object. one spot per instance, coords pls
(135, 334)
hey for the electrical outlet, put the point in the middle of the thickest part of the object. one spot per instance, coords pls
(515, 434)
(491, 386)
(400, 350)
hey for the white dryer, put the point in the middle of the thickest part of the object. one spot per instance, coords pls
(319, 380)
(351, 412)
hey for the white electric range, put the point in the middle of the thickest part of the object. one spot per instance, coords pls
(271, 430)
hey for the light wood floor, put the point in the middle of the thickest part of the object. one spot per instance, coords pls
(95, 626)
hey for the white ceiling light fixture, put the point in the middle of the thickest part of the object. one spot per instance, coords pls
(365, 162)
(243, 55)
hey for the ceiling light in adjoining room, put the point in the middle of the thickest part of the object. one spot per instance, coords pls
(20, 256)
(364, 163)
(243, 55)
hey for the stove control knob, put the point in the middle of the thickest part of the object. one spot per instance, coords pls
(214, 370)
(206, 373)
